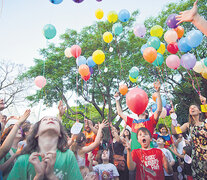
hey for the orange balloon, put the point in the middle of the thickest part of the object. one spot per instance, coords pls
(150, 54)
(154, 96)
(180, 31)
(83, 70)
(123, 89)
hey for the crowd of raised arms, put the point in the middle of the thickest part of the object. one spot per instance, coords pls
(46, 150)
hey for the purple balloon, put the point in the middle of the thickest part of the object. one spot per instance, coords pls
(91, 70)
(171, 21)
(188, 61)
(78, 1)
(99, 0)
(168, 108)
(140, 30)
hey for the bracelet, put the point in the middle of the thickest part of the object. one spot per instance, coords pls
(117, 98)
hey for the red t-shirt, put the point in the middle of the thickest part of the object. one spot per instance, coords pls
(148, 164)
(149, 123)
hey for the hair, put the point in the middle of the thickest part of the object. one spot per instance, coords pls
(6, 133)
(201, 117)
(147, 116)
(79, 139)
(111, 159)
(145, 130)
(118, 129)
(161, 126)
(188, 150)
(160, 137)
(32, 140)
(25, 128)
(129, 134)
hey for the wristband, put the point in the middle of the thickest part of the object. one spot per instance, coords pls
(117, 98)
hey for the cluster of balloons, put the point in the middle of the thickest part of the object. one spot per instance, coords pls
(133, 74)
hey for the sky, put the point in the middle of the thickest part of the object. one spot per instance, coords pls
(22, 21)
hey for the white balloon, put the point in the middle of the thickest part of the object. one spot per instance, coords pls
(68, 52)
(199, 67)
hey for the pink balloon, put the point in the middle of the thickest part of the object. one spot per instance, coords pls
(170, 36)
(173, 61)
(163, 113)
(75, 51)
(40, 81)
(137, 100)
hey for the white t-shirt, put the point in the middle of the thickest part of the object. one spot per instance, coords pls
(181, 144)
(106, 171)
(169, 158)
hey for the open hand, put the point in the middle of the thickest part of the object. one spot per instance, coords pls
(202, 99)
(24, 117)
(103, 124)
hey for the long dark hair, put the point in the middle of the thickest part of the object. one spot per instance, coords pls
(129, 134)
(201, 116)
(32, 140)
(6, 133)
(79, 139)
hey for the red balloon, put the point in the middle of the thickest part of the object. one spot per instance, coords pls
(137, 100)
(172, 48)
(75, 51)
(86, 78)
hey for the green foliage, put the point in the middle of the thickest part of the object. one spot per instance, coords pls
(167, 121)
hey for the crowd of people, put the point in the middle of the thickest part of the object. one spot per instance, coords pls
(45, 150)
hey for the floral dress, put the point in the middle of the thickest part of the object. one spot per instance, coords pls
(199, 151)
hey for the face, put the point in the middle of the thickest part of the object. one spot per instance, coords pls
(126, 133)
(163, 130)
(160, 141)
(87, 128)
(49, 123)
(193, 110)
(180, 136)
(144, 139)
(105, 155)
(19, 134)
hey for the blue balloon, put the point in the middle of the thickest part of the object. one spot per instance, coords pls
(49, 31)
(183, 45)
(90, 62)
(124, 15)
(164, 102)
(194, 38)
(134, 72)
(80, 60)
(117, 28)
(56, 1)
(154, 42)
(159, 60)
(143, 47)
(154, 107)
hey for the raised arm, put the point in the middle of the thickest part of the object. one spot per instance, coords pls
(157, 113)
(193, 16)
(118, 107)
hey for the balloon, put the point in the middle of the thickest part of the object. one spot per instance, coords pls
(90, 62)
(107, 37)
(67, 52)
(172, 48)
(171, 21)
(188, 61)
(204, 74)
(99, 13)
(161, 49)
(134, 72)
(123, 89)
(80, 60)
(98, 57)
(173, 61)
(78, 1)
(112, 16)
(170, 36)
(144, 47)
(83, 70)
(154, 42)
(124, 15)
(86, 78)
(180, 31)
(137, 100)
(40, 81)
(132, 79)
(98, 0)
(159, 60)
(49, 31)
(168, 108)
(56, 1)
(154, 107)
(205, 62)
(117, 28)
(150, 54)
(183, 45)
(194, 38)
(156, 31)
(139, 30)
(163, 113)
(199, 67)
(91, 70)
(75, 51)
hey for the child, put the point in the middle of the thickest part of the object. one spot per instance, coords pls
(161, 145)
(148, 161)
(106, 170)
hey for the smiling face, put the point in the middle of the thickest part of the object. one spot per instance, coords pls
(126, 132)
(194, 110)
(144, 138)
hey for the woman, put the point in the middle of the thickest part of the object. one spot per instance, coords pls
(198, 132)
(46, 155)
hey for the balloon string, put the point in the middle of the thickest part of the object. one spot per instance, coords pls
(77, 96)
(193, 83)
(199, 90)
(102, 83)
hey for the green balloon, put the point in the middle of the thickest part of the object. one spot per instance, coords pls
(154, 42)
(205, 62)
(159, 60)
(117, 28)
(49, 31)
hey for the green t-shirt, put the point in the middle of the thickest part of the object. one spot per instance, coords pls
(4, 159)
(65, 168)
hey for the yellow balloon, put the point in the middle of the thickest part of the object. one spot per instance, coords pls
(161, 49)
(99, 13)
(204, 73)
(156, 31)
(107, 37)
(98, 57)
(132, 79)
(112, 16)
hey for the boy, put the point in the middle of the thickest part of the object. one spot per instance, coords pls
(149, 162)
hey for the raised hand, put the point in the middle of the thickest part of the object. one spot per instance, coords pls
(157, 85)
(116, 95)
(126, 144)
(24, 117)
(103, 124)
(202, 99)
(61, 108)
